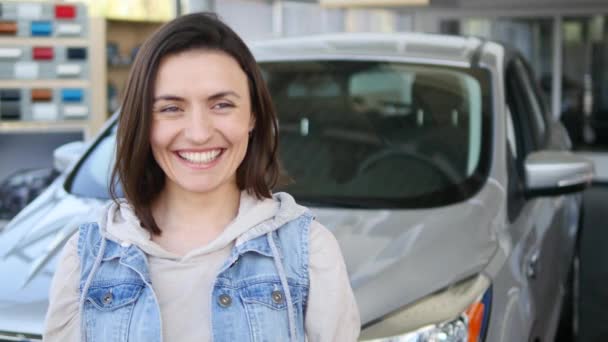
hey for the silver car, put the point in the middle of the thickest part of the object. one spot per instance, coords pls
(431, 158)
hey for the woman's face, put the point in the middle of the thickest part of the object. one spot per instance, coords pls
(201, 120)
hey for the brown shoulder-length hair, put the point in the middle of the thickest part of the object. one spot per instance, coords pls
(140, 176)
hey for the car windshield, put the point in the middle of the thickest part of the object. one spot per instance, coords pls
(364, 134)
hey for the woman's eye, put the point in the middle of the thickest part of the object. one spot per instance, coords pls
(223, 105)
(169, 109)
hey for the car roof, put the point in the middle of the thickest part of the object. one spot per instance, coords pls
(415, 47)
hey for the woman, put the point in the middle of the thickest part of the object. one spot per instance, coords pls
(199, 248)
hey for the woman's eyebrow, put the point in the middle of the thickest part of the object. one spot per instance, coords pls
(223, 94)
(169, 98)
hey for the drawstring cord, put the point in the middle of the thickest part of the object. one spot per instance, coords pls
(87, 284)
(281, 271)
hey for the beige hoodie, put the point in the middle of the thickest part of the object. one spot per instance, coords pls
(183, 283)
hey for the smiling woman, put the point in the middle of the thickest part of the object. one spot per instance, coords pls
(213, 99)
(200, 248)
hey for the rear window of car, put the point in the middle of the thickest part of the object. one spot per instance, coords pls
(364, 134)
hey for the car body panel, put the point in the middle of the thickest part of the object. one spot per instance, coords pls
(402, 248)
(30, 255)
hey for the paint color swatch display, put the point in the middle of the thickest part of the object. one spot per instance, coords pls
(43, 42)
(37, 19)
(43, 104)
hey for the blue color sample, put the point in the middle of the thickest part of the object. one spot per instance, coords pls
(41, 28)
(71, 95)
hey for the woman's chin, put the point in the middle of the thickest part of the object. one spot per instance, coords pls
(206, 187)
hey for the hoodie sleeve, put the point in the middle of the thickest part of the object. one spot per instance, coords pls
(332, 313)
(62, 319)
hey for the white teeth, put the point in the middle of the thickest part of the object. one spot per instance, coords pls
(200, 157)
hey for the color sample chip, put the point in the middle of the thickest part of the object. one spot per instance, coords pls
(77, 53)
(10, 110)
(71, 95)
(68, 29)
(42, 94)
(75, 111)
(10, 95)
(26, 70)
(64, 70)
(41, 28)
(65, 12)
(44, 111)
(8, 28)
(29, 11)
(10, 53)
(42, 53)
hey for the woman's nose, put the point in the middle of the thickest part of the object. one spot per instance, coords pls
(199, 127)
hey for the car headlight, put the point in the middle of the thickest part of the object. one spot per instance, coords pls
(459, 313)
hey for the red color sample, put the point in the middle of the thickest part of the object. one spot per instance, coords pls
(65, 12)
(44, 53)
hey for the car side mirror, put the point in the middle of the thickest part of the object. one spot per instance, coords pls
(66, 155)
(551, 173)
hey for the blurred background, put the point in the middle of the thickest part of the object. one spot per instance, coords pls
(88, 53)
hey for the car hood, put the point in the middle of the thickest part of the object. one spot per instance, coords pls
(29, 246)
(396, 257)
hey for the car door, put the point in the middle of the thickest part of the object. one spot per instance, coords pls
(538, 221)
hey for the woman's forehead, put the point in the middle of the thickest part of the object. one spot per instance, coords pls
(200, 72)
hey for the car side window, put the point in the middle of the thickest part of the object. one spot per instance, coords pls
(518, 108)
(536, 105)
(515, 194)
(527, 131)
(527, 105)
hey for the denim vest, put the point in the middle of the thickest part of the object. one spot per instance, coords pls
(250, 296)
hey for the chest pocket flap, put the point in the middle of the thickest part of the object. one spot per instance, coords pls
(271, 295)
(112, 297)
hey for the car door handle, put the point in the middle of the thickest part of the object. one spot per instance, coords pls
(532, 265)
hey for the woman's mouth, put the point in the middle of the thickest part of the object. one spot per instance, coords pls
(200, 158)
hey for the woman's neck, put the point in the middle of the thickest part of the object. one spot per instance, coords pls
(179, 211)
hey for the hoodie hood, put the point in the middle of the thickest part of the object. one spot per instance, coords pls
(254, 218)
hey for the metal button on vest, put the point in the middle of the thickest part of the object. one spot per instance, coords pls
(107, 298)
(225, 300)
(277, 297)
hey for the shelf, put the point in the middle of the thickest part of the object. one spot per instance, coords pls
(126, 35)
(10, 41)
(42, 126)
(57, 83)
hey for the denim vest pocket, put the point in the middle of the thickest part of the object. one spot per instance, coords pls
(108, 311)
(109, 298)
(270, 295)
(266, 310)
